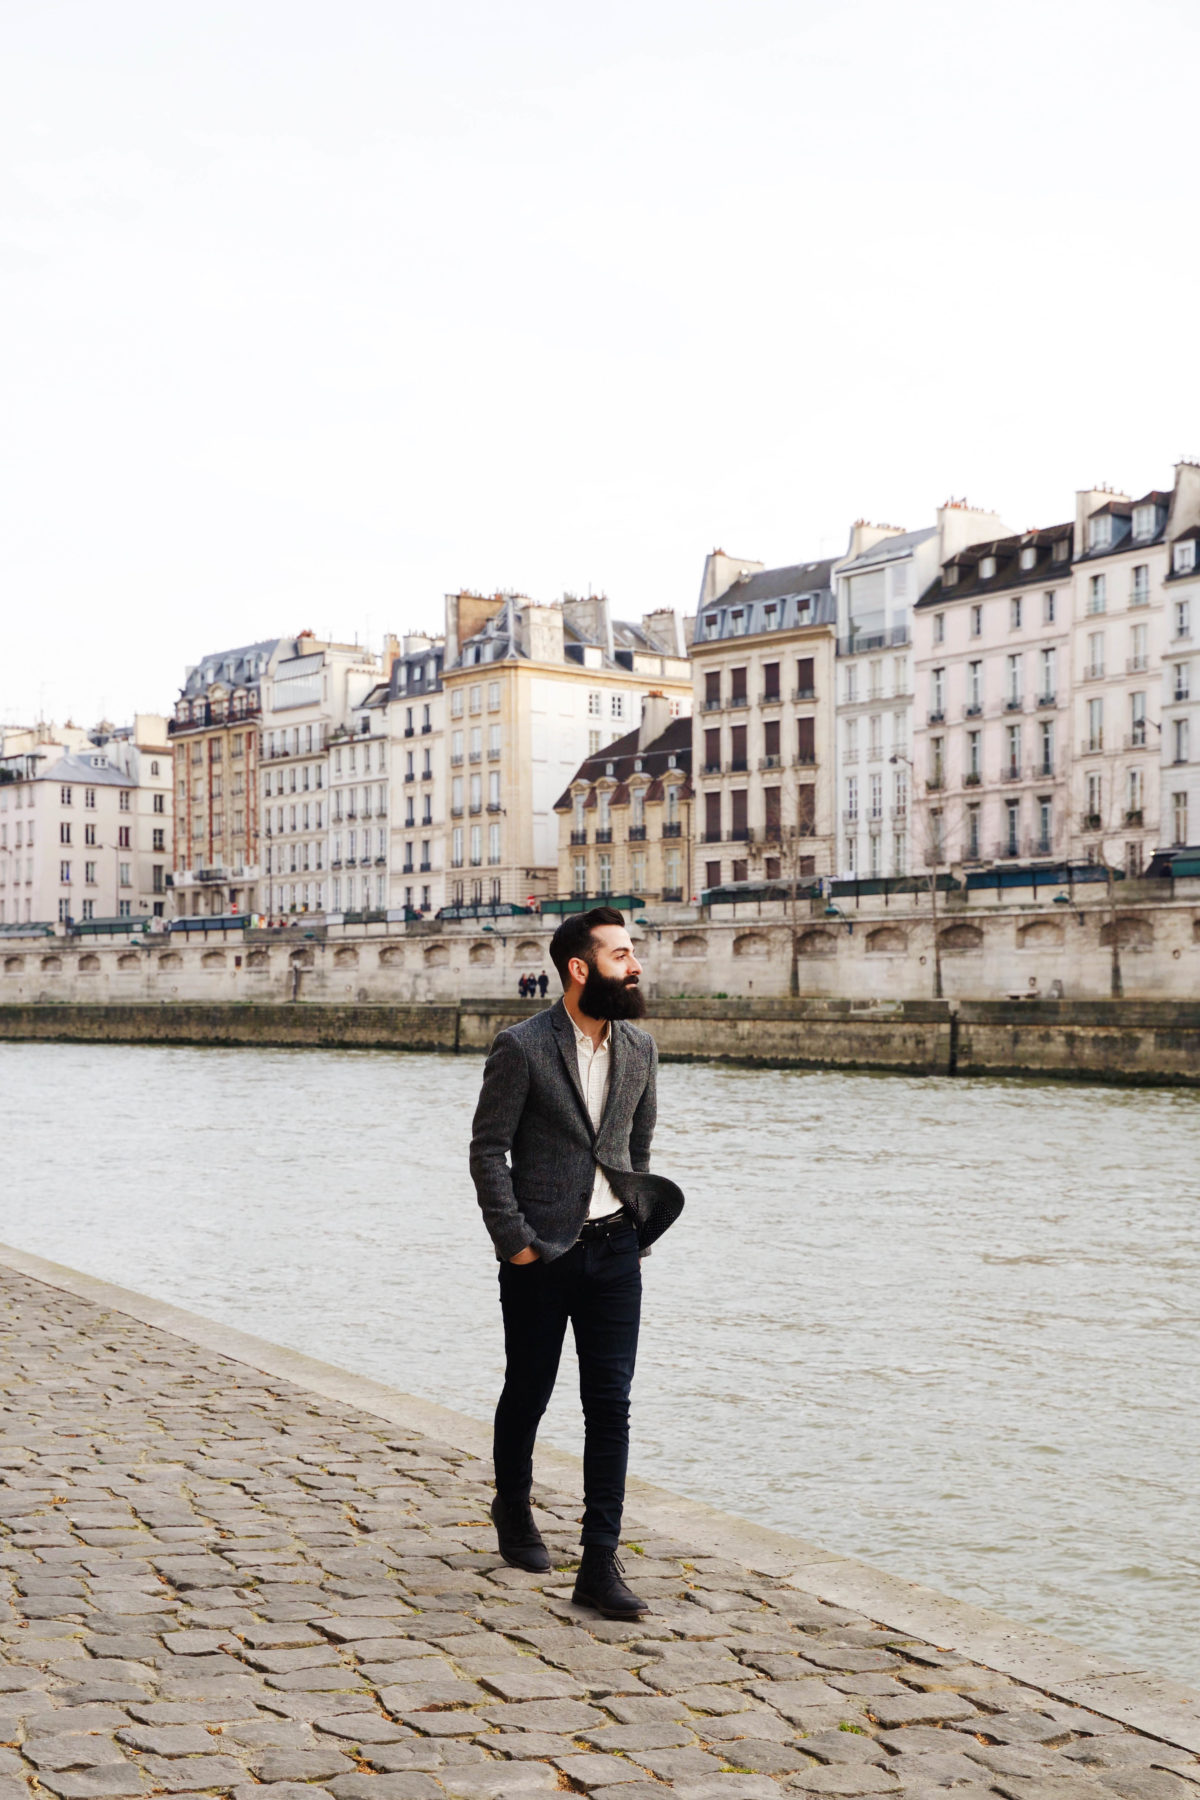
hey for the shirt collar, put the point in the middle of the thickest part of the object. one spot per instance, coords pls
(581, 1037)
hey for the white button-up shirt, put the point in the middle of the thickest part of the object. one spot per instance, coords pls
(594, 1063)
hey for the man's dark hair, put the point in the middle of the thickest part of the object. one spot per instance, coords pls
(574, 937)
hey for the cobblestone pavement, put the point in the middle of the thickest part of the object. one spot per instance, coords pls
(216, 1582)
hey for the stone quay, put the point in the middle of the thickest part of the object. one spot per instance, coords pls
(231, 1570)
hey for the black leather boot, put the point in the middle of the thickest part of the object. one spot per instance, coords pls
(519, 1539)
(599, 1584)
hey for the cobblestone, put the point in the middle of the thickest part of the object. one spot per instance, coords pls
(216, 1583)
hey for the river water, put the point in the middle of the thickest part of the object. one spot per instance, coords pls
(950, 1327)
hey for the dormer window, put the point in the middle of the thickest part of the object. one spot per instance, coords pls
(1100, 531)
(1029, 556)
(1062, 550)
(709, 626)
(1145, 521)
(1185, 557)
(608, 768)
(637, 765)
(950, 575)
(671, 763)
(737, 620)
(987, 567)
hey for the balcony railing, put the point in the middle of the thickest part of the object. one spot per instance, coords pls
(805, 759)
(972, 778)
(1014, 703)
(637, 834)
(1050, 699)
(604, 836)
(711, 768)
(494, 806)
(1136, 665)
(711, 704)
(937, 716)
(737, 765)
(804, 693)
(935, 784)
(1011, 772)
(475, 756)
(973, 710)
(579, 837)
(1134, 816)
(1094, 672)
(1090, 821)
(672, 829)
(892, 638)
(741, 699)
(772, 697)
(770, 762)
(456, 762)
(1092, 746)
(672, 894)
(1136, 740)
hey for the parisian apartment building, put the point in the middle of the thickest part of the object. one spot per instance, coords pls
(763, 725)
(1047, 667)
(86, 823)
(626, 820)
(531, 690)
(216, 738)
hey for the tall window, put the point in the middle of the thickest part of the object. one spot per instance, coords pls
(974, 752)
(937, 692)
(1013, 746)
(1013, 676)
(1095, 720)
(976, 621)
(1181, 743)
(1048, 608)
(1048, 675)
(1137, 721)
(1012, 841)
(1045, 841)
(1179, 818)
(1047, 736)
(1097, 594)
(975, 686)
(1094, 668)
(1139, 585)
(973, 833)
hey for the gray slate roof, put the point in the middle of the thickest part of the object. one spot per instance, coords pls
(890, 549)
(77, 767)
(237, 667)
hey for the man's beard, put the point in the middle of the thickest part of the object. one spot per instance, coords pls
(611, 997)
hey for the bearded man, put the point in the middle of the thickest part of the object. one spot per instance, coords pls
(560, 1157)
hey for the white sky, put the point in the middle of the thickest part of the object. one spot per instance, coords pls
(313, 311)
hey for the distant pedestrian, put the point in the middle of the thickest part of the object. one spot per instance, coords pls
(523, 987)
(543, 983)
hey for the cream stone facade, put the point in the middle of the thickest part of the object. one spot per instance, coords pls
(531, 690)
(880, 580)
(312, 691)
(763, 658)
(1122, 629)
(991, 743)
(85, 824)
(1180, 736)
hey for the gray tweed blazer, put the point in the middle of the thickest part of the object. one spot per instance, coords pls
(534, 1152)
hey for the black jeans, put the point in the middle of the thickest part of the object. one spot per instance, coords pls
(597, 1285)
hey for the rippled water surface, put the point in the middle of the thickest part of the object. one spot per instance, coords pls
(947, 1326)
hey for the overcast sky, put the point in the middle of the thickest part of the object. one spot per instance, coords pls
(312, 312)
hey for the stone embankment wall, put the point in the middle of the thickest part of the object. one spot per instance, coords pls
(868, 952)
(1152, 1042)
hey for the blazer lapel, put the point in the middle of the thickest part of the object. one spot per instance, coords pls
(564, 1035)
(618, 1060)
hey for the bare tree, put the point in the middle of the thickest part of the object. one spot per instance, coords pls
(789, 838)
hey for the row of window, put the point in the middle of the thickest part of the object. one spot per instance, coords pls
(124, 875)
(803, 868)
(474, 790)
(296, 779)
(288, 740)
(351, 754)
(771, 691)
(475, 699)
(875, 689)
(66, 797)
(475, 743)
(474, 842)
(673, 871)
(874, 793)
(637, 809)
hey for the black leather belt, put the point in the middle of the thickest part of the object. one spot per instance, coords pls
(595, 1228)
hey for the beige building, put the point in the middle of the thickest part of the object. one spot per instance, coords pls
(530, 692)
(85, 824)
(407, 711)
(218, 861)
(763, 723)
(626, 820)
